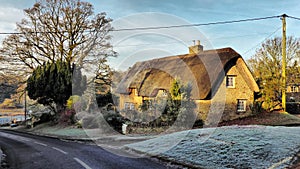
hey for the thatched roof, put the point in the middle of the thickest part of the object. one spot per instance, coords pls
(205, 71)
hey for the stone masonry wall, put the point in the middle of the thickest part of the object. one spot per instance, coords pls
(223, 106)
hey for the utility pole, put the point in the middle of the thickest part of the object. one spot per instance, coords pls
(284, 62)
(25, 105)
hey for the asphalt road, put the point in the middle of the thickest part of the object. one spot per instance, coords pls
(26, 151)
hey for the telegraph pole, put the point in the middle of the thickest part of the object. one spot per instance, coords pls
(283, 61)
(25, 103)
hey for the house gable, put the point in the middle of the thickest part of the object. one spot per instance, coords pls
(224, 105)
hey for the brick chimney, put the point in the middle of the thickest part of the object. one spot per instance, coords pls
(197, 48)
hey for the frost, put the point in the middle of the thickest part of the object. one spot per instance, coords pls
(227, 147)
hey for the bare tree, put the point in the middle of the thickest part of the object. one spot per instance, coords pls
(266, 66)
(66, 30)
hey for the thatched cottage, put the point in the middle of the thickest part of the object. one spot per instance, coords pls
(220, 79)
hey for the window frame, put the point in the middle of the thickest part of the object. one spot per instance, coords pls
(228, 85)
(165, 93)
(238, 106)
(129, 106)
(294, 89)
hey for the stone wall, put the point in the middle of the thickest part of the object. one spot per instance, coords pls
(130, 98)
(223, 106)
(241, 91)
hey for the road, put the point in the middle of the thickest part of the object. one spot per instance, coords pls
(29, 151)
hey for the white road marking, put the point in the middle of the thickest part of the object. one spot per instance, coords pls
(25, 140)
(82, 163)
(41, 144)
(60, 150)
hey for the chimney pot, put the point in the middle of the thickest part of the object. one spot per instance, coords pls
(197, 48)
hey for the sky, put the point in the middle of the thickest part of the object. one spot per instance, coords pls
(133, 46)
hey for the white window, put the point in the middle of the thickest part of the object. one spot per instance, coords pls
(241, 105)
(132, 106)
(230, 81)
(165, 93)
(294, 89)
(129, 106)
(126, 106)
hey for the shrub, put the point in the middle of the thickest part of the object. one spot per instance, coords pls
(68, 117)
(198, 123)
(114, 119)
(293, 107)
(104, 99)
(71, 102)
(257, 107)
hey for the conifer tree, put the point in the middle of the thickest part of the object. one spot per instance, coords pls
(53, 83)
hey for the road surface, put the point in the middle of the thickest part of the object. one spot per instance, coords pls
(27, 151)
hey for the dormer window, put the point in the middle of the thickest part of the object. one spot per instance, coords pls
(165, 93)
(230, 81)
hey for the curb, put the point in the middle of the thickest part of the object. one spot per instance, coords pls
(163, 158)
(48, 135)
(88, 139)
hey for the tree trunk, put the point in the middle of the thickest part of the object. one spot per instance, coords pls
(60, 108)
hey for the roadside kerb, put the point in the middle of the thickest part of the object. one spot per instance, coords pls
(86, 139)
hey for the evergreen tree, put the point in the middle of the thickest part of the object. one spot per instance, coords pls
(53, 83)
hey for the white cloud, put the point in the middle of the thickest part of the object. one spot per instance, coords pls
(9, 16)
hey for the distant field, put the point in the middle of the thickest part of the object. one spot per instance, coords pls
(8, 115)
(11, 112)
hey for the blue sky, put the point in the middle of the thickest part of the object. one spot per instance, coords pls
(135, 46)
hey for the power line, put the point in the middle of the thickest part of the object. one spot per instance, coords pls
(200, 24)
(294, 17)
(169, 27)
(262, 41)
(186, 41)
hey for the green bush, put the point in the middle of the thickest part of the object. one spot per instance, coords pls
(114, 119)
(68, 117)
(104, 99)
(72, 101)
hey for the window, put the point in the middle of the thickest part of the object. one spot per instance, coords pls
(132, 106)
(230, 81)
(294, 89)
(241, 105)
(165, 93)
(129, 106)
